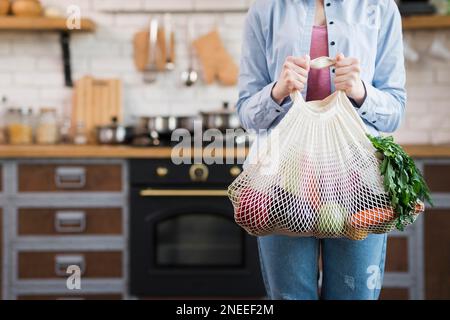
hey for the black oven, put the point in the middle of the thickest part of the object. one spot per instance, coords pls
(183, 239)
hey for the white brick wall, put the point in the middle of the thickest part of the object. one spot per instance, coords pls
(31, 71)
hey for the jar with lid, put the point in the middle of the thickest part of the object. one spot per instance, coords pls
(19, 125)
(47, 127)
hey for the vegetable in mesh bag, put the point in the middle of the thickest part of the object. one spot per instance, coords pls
(403, 183)
(325, 179)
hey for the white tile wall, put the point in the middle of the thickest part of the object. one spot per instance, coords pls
(31, 71)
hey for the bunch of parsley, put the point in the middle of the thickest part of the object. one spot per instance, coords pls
(402, 180)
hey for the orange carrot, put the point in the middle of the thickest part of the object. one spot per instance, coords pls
(371, 217)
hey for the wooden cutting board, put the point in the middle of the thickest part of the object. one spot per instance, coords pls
(95, 103)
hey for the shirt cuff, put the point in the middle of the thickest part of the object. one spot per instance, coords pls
(356, 105)
(272, 104)
(368, 107)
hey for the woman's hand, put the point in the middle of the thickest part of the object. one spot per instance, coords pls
(294, 76)
(348, 78)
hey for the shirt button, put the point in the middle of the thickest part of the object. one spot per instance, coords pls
(364, 113)
(333, 43)
(328, 4)
(375, 121)
(333, 70)
(331, 22)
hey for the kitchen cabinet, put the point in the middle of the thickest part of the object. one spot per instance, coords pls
(61, 213)
(436, 234)
(397, 254)
(437, 254)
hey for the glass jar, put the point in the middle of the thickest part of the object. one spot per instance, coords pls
(47, 127)
(19, 125)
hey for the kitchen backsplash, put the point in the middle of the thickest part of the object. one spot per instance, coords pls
(31, 71)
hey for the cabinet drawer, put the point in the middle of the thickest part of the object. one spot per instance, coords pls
(394, 294)
(437, 254)
(50, 265)
(71, 297)
(397, 254)
(437, 177)
(73, 221)
(69, 178)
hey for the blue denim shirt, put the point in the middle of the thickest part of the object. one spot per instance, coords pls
(369, 30)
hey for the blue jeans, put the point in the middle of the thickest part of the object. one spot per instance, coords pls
(351, 269)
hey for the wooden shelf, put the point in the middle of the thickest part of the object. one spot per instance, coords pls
(426, 22)
(10, 23)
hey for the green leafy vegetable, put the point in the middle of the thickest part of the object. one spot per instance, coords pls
(402, 180)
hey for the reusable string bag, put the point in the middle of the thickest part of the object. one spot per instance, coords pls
(315, 174)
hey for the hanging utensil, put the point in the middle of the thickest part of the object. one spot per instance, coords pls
(190, 76)
(151, 70)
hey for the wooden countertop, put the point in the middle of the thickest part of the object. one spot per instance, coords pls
(90, 151)
(123, 152)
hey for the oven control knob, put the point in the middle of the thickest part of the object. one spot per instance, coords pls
(198, 172)
(235, 171)
(162, 171)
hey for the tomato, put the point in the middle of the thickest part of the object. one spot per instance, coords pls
(253, 213)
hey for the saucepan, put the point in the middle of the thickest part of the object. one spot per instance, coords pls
(114, 133)
(221, 119)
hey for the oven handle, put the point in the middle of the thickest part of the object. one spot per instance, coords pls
(181, 192)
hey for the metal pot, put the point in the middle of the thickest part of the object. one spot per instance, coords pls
(188, 122)
(112, 133)
(163, 125)
(222, 119)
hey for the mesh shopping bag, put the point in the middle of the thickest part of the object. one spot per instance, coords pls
(316, 174)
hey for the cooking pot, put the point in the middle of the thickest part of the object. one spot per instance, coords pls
(188, 122)
(222, 119)
(162, 125)
(113, 133)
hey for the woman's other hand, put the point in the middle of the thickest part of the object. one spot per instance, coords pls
(348, 78)
(294, 76)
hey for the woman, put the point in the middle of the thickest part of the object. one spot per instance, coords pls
(280, 38)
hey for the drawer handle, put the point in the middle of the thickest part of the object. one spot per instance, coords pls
(62, 262)
(70, 177)
(70, 221)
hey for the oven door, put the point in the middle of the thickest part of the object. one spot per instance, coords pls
(185, 243)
